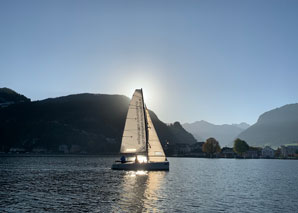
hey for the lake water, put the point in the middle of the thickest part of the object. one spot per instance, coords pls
(87, 184)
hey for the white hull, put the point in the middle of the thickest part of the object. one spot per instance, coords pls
(152, 166)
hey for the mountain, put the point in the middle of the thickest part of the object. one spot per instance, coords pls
(91, 123)
(9, 96)
(225, 134)
(276, 127)
(242, 125)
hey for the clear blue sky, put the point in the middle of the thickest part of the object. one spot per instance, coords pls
(220, 61)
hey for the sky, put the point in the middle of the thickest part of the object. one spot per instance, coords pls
(220, 61)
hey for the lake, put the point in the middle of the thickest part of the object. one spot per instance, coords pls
(87, 184)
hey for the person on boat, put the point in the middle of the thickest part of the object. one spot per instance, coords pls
(137, 160)
(123, 159)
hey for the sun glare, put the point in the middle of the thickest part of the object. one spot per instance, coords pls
(137, 173)
(141, 78)
(142, 159)
(148, 92)
(141, 172)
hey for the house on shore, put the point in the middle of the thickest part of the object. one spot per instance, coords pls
(289, 151)
(253, 152)
(268, 152)
(196, 149)
(227, 152)
(182, 148)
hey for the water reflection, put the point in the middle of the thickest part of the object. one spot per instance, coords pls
(87, 184)
(141, 190)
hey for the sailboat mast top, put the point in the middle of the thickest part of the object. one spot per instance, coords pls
(146, 123)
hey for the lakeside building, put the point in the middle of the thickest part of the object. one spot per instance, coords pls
(227, 152)
(196, 150)
(196, 147)
(253, 152)
(268, 152)
(182, 148)
(289, 151)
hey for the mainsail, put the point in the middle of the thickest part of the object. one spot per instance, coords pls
(134, 134)
(155, 150)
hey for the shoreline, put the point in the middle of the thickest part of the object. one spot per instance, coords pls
(118, 155)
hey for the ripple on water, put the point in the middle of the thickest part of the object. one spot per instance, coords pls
(87, 184)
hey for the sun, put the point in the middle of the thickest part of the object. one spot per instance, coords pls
(147, 77)
(150, 90)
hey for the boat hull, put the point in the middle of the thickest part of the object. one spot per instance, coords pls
(152, 166)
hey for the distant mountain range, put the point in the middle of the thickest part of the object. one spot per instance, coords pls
(94, 122)
(225, 134)
(89, 123)
(276, 127)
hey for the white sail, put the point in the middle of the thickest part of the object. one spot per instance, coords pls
(155, 150)
(134, 134)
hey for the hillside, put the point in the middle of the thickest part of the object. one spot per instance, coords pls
(9, 96)
(85, 122)
(274, 128)
(225, 134)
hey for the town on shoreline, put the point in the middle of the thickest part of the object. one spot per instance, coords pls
(208, 149)
(179, 150)
(212, 149)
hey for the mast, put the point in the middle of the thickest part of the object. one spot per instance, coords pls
(146, 124)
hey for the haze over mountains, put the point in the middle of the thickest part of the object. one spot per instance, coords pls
(275, 127)
(225, 133)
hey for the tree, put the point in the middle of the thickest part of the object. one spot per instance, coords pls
(211, 146)
(240, 146)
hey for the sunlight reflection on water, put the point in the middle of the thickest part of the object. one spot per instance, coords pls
(135, 173)
(140, 189)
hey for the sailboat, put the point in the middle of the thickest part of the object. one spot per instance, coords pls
(140, 140)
